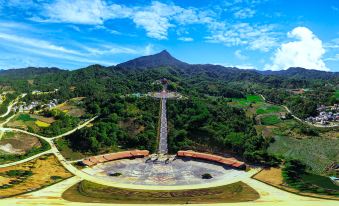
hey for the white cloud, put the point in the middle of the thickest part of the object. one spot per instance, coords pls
(149, 49)
(186, 39)
(155, 20)
(333, 44)
(306, 52)
(80, 54)
(239, 55)
(78, 11)
(255, 37)
(82, 12)
(158, 18)
(335, 8)
(35, 43)
(334, 58)
(239, 66)
(244, 13)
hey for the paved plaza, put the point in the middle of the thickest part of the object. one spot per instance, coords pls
(143, 171)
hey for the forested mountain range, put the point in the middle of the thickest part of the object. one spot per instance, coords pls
(164, 59)
(206, 86)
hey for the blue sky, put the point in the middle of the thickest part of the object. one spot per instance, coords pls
(260, 34)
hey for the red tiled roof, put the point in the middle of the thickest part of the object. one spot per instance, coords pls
(87, 162)
(114, 156)
(210, 157)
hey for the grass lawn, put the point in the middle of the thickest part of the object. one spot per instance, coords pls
(254, 98)
(270, 120)
(94, 193)
(245, 102)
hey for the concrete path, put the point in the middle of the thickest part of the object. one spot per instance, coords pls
(163, 148)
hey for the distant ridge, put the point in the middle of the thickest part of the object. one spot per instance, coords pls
(299, 72)
(156, 60)
(165, 59)
(30, 71)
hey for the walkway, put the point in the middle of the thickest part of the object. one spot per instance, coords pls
(269, 196)
(163, 149)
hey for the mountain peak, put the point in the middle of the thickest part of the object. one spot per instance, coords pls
(163, 58)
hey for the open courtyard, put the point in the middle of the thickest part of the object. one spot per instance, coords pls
(179, 171)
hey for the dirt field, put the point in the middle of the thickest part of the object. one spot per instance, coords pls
(18, 143)
(48, 120)
(91, 193)
(32, 175)
(271, 176)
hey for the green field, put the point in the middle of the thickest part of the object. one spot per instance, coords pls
(244, 102)
(270, 120)
(93, 193)
(336, 94)
(266, 109)
(25, 118)
(321, 181)
(315, 152)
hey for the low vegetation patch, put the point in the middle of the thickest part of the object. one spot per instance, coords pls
(268, 109)
(115, 174)
(245, 102)
(94, 193)
(270, 120)
(25, 118)
(295, 175)
(206, 176)
(42, 124)
(316, 152)
(274, 177)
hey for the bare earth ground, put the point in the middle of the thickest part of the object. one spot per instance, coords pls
(272, 176)
(18, 143)
(43, 168)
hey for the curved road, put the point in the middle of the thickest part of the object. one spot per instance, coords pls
(53, 149)
(10, 106)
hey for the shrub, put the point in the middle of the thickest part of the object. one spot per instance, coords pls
(206, 176)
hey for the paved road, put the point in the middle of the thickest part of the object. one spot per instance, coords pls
(163, 149)
(10, 106)
(53, 149)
